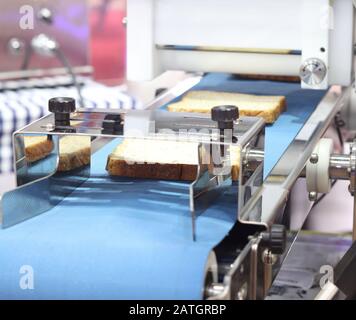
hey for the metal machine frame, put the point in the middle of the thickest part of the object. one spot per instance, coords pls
(34, 187)
(307, 41)
(307, 38)
(249, 256)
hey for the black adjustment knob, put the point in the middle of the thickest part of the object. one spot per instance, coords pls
(62, 108)
(275, 239)
(225, 116)
(113, 124)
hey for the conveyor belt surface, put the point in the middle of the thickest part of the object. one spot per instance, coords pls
(113, 239)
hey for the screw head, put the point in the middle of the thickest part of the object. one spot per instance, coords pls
(314, 158)
(45, 15)
(50, 127)
(16, 46)
(312, 196)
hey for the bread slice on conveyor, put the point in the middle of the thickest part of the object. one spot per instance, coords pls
(74, 150)
(267, 107)
(160, 159)
(37, 147)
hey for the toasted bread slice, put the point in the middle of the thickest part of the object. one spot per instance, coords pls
(267, 107)
(74, 150)
(158, 159)
(37, 147)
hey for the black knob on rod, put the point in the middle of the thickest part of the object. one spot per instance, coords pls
(225, 116)
(275, 239)
(62, 107)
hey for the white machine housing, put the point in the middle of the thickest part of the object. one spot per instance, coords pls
(238, 36)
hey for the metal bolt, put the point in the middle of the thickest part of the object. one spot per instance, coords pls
(15, 46)
(124, 21)
(50, 127)
(314, 158)
(313, 196)
(268, 257)
(45, 15)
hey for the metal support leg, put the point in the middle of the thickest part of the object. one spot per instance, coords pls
(253, 270)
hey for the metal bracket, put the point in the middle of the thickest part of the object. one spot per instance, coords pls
(317, 169)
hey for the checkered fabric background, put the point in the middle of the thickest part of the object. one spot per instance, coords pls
(22, 106)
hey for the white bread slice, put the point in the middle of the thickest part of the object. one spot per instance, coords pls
(160, 159)
(267, 107)
(74, 150)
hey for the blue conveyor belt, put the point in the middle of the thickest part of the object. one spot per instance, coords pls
(118, 239)
(132, 239)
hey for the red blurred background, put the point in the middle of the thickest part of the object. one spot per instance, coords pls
(108, 39)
